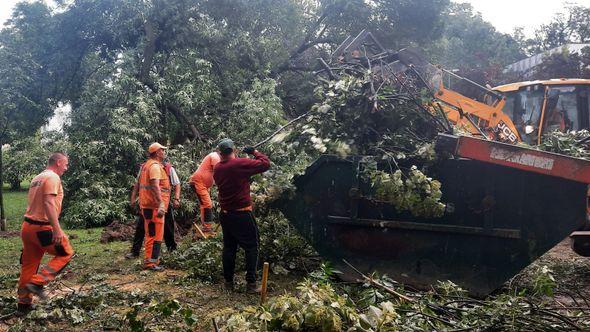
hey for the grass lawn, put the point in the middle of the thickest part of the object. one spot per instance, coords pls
(15, 204)
(97, 264)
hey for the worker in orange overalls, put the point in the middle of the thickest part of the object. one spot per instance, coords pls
(154, 197)
(202, 181)
(42, 233)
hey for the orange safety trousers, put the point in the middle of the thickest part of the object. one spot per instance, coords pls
(205, 202)
(154, 234)
(37, 240)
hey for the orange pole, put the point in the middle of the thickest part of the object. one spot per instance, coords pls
(264, 283)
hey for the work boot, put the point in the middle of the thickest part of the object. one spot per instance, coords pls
(207, 228)
(131, 255)
(37, 290)
(23, 309)
(228, 286)
(155, 268)
(253, 288)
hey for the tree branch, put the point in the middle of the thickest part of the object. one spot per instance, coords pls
(181, 118)
(310, 40)
(149, 51)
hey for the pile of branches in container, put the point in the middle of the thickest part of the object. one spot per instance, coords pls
(573, 143)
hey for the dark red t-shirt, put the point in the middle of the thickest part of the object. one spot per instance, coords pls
(232, 178)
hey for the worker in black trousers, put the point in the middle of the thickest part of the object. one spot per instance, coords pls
(169, 229)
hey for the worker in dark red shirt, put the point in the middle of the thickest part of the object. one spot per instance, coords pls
(232, 177)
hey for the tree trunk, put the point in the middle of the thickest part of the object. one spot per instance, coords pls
(2, 215)
(15, 185)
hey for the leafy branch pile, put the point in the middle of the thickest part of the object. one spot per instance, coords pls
(200, 259)
(365, 109)
(418, 193)
(111, 308)
(375, 306)
(280, 244)
(573, 143)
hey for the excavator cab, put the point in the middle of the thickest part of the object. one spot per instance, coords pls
(540, 107)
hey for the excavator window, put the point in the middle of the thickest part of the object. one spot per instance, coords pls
(526, 115)
(509, 105)
(566, 109)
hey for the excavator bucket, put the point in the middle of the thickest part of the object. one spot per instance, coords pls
(506, 206)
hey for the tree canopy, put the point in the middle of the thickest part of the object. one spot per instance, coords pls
(188, 72)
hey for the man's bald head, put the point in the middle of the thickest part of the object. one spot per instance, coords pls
(58, 162)
(55, 157)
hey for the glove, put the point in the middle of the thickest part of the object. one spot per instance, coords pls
(249, 150)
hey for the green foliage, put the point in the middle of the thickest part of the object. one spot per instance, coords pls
(345, 121)
(106, 153)
(544, 282)
(416, 193)
(569, 25)
(323, 307)
(201, 260)
(279, 244)
(258, 113)
(315, 308)
(324, 274)
(564, 64)
(140, 315)
(574, 144)
(143, 311)
(468, 42)
(24, 159)
(77, 307)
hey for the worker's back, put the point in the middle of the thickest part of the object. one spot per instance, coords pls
(232, 178)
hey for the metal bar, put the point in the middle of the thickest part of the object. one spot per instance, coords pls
(341, 47)
(355, 192)
(492, 92)
(394, 224)
(328, 69)
(468, 117)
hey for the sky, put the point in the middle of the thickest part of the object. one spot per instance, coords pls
(6, 9)
(506, 15)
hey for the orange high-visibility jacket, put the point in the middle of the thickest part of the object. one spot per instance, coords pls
(153, 169)
(204, 174)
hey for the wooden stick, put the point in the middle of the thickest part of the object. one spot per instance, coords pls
(264, 283)
(199, 230)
